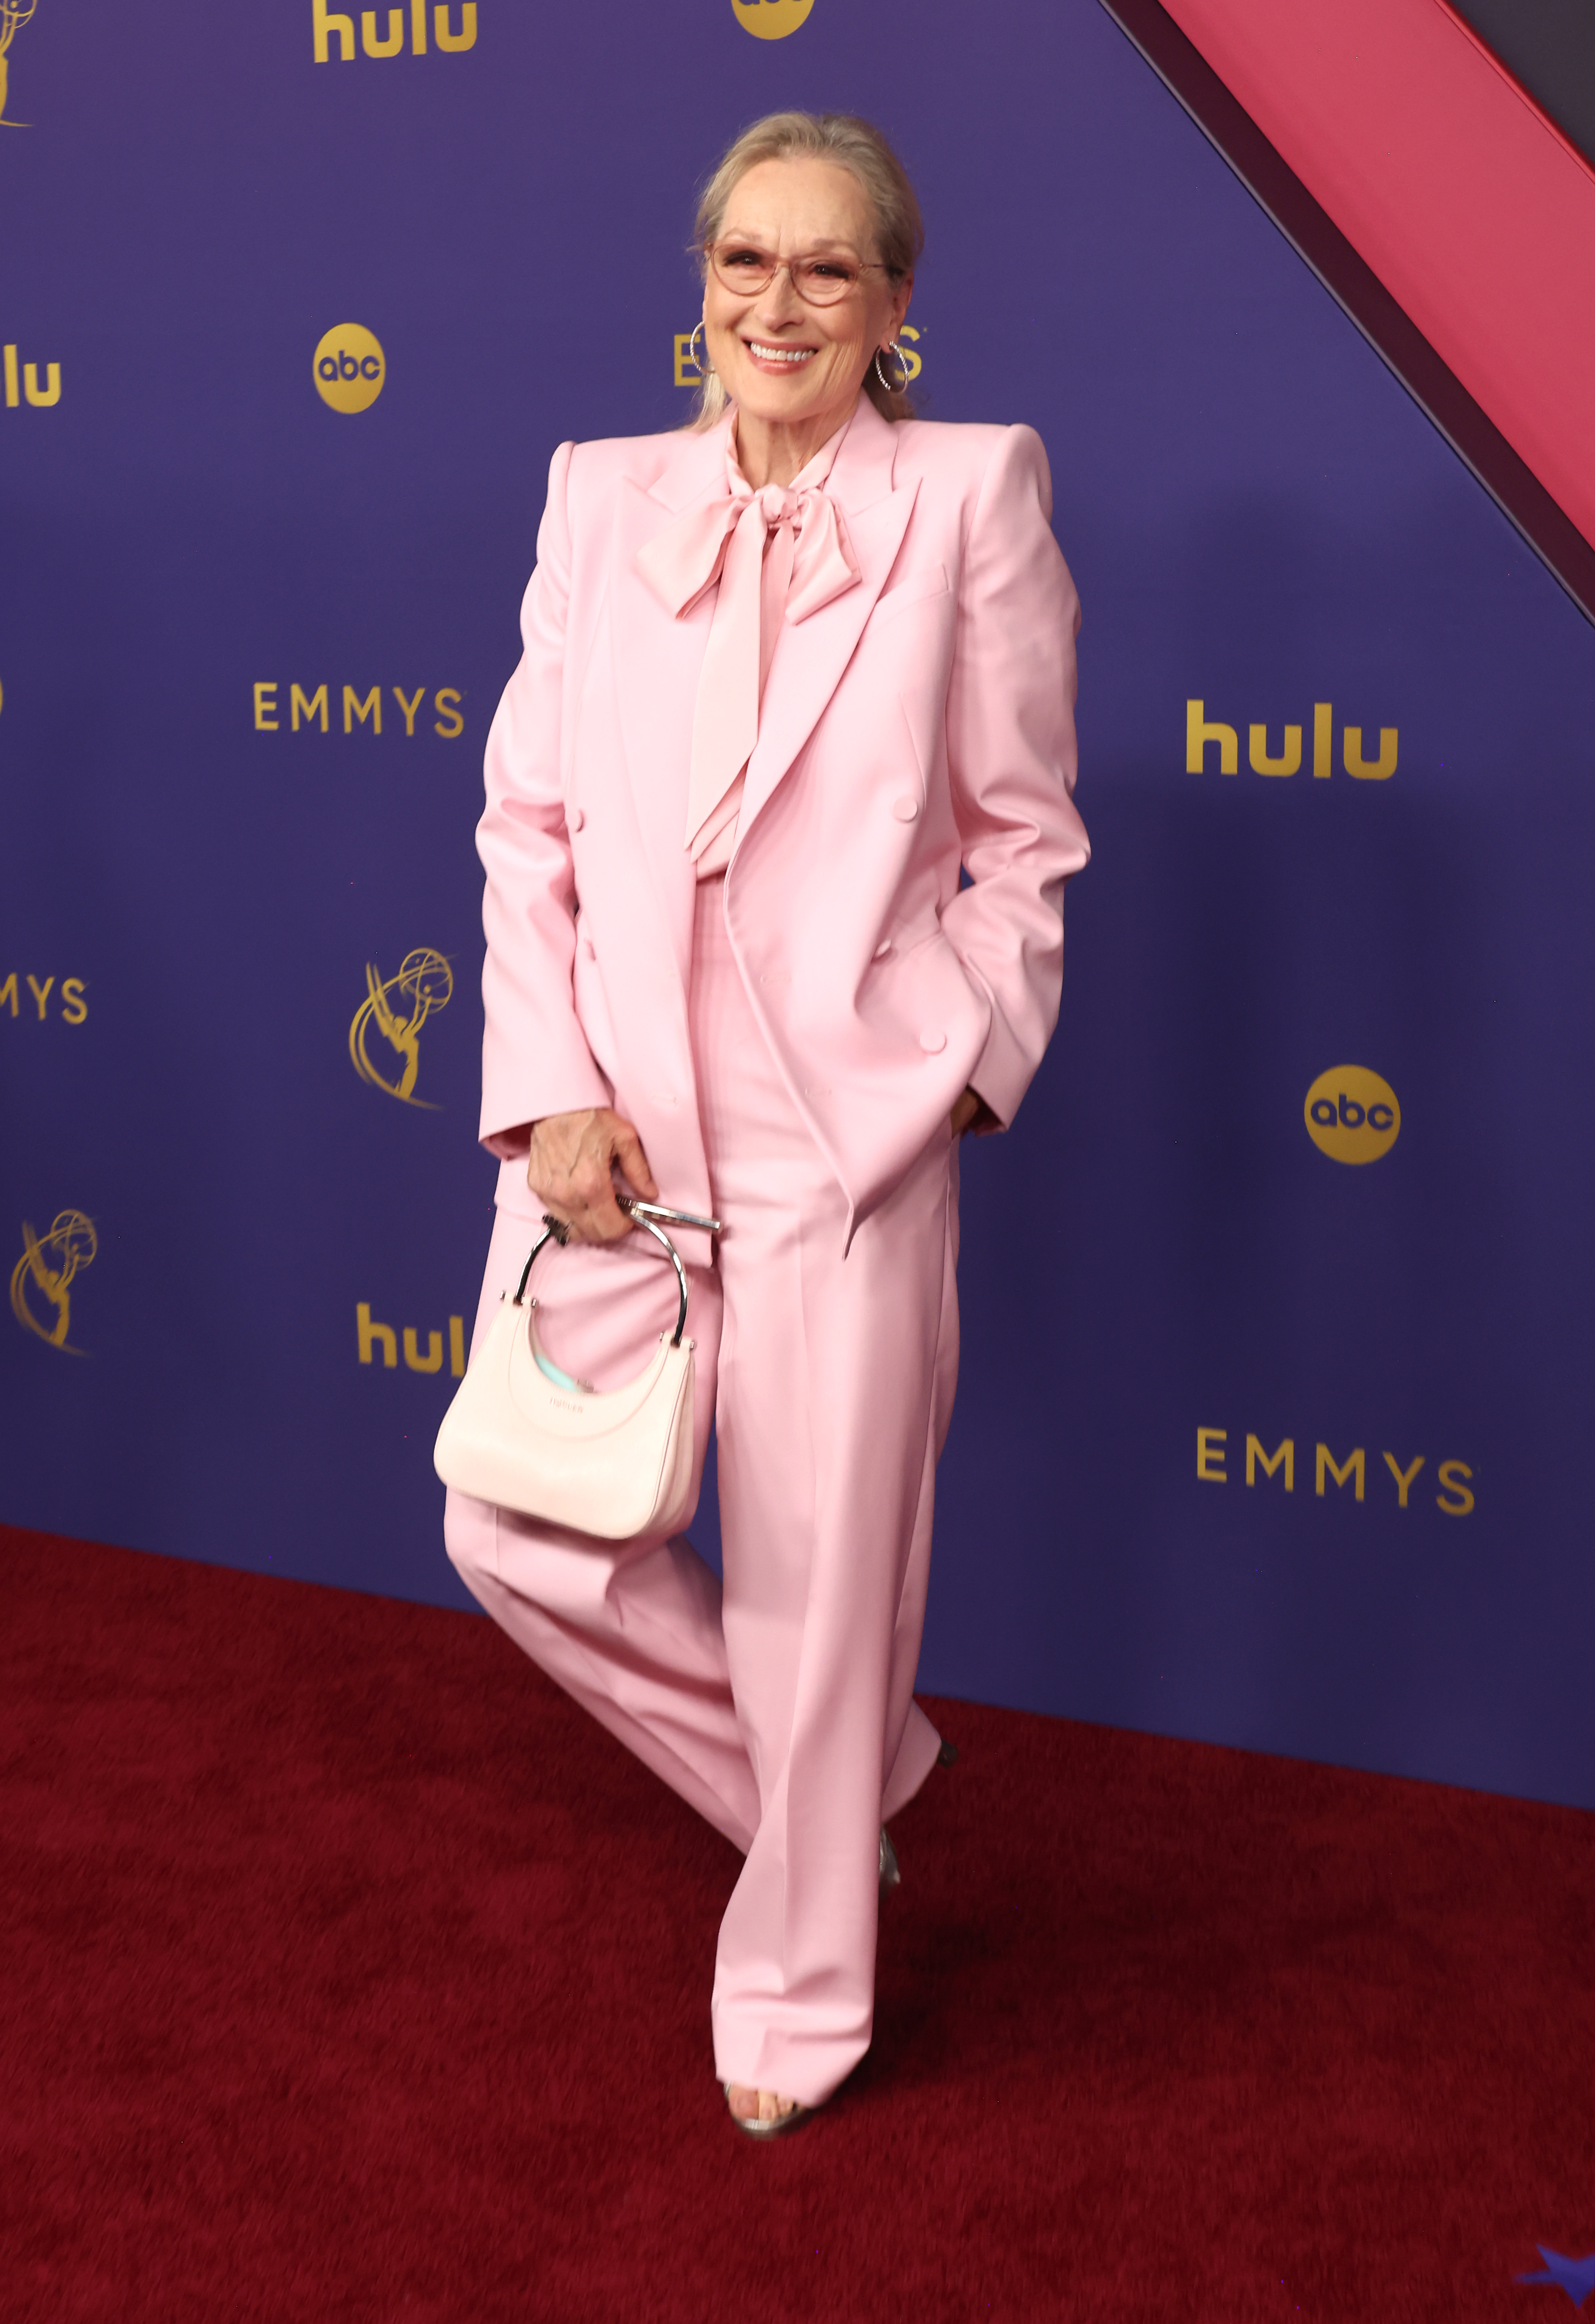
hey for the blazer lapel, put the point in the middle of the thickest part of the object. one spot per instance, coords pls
(814, 654)
(657, 661)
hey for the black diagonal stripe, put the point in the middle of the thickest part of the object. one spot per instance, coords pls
(1550, 46)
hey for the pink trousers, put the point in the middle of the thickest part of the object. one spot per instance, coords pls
(781, 1707)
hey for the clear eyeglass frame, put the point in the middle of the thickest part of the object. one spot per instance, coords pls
(815, 290)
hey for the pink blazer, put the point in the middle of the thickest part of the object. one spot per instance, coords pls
(921, 720)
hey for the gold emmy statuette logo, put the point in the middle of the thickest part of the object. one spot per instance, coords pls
(350, 368)
(14, 15)
(41, 1279)
(426, 981)
(1351, 1115)
(770, 20)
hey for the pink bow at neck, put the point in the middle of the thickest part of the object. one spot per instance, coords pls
(780, 551)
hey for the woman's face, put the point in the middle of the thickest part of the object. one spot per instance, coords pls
(784, 361)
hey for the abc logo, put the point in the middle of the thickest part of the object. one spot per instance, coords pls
(770, 20)
(349, 368)
(1351, 1115)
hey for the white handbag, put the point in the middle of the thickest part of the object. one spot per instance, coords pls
(523, 1434)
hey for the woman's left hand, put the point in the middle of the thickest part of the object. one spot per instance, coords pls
(972, 1112)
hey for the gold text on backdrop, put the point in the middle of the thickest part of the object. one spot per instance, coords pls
(1202, 733)
(369, 1336)
(329, 24)
(688, 372)
(70, 1006)
(23, 383)
(1455, 1500)
(311, 708)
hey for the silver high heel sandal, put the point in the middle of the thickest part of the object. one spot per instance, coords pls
(891, 1873)
(891, 1876)
(774, 2129)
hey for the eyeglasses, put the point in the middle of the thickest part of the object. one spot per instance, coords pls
(821, 278)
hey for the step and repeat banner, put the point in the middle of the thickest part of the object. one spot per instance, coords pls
(1275, 1409)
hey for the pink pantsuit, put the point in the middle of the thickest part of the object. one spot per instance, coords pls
(789, 1040)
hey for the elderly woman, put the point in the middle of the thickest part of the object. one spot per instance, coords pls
(785, 672)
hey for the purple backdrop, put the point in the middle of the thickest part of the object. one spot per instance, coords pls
(1258, 519)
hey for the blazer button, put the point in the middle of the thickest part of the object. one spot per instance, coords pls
(931, 1042)
(905, 808)
(577, 819)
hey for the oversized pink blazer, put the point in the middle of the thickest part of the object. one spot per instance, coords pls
(921, 720)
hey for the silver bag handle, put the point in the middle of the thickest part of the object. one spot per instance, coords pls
(653, 1217)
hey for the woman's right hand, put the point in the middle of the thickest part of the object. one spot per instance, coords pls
(570, 1167)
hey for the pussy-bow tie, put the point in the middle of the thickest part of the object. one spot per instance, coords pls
(778, 551)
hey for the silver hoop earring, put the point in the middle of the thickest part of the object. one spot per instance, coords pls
(693, 356)
(897, 387)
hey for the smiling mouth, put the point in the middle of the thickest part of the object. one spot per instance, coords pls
(791, 356)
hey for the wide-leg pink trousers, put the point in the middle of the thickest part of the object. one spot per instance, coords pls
(782, 1707)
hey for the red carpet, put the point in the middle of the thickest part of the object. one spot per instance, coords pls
(348, 1973)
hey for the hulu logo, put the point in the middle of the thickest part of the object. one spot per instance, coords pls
(1204, 734)
(329, 24)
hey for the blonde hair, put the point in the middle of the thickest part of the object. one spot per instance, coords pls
(857, 146)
